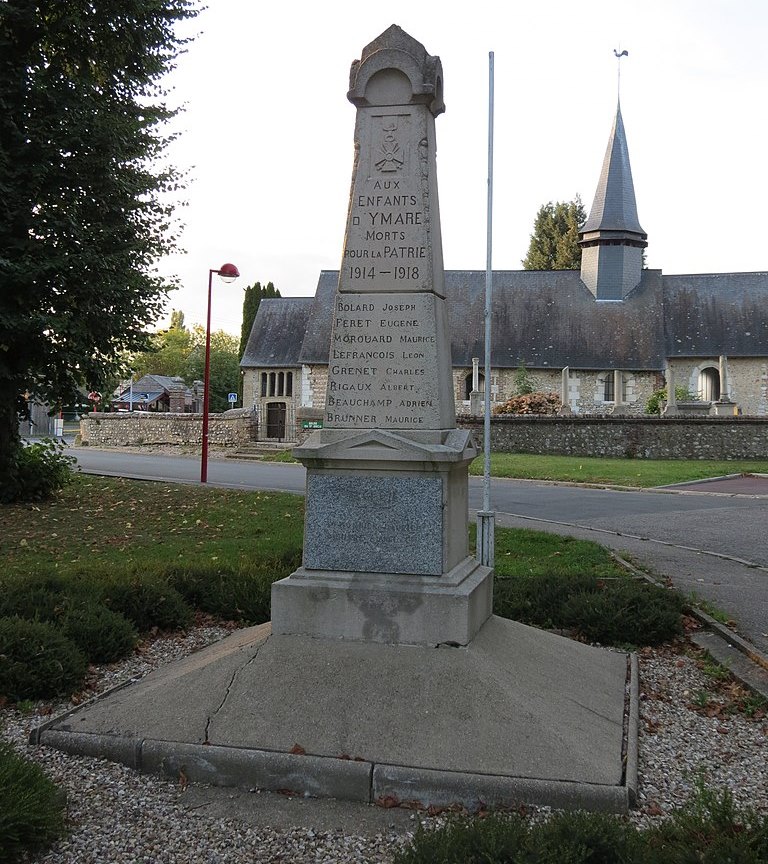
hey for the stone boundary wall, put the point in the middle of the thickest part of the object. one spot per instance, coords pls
(628, 437)
(230, 429)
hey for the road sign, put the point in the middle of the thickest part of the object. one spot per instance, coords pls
(232, 397)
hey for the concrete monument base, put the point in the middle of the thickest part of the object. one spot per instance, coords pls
(385, 607)
(386, 555)
(517, 716)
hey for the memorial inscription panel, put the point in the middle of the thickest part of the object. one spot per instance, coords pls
(382, 362)
(401, 531)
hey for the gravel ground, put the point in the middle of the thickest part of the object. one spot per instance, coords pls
(116, 815)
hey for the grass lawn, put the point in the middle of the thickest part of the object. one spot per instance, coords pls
(619, 472)
(101, 522)
(105, 523)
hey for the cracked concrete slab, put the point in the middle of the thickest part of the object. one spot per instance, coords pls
(513, 694)
(519, 714)
(178, 699)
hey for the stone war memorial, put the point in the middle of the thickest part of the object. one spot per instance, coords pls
(384, 677)
(385, 548)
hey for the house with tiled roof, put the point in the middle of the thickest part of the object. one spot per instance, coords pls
(605, 337)
(159, 393)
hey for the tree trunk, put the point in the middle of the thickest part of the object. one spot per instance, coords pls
(10, 445)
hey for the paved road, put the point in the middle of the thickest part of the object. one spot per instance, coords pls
(713, 544)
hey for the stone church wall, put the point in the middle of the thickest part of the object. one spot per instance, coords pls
(230, 429)
(629, 437)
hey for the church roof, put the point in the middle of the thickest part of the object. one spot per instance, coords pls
(716, 313)
(547, 319)
(614, 208)
(278, 332)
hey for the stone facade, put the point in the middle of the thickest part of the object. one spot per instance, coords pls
(587, 392)
(230, 429)
(629, 437)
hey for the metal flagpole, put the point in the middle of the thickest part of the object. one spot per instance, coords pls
(486, 517)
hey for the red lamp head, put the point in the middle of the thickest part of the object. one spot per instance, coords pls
(228, 272)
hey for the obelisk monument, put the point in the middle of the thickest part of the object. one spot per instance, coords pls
(385, 548)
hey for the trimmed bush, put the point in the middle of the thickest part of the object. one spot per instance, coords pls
(583, 838)
(37, 597)
(148, 602)
(237, 596)
(41, 469)
(498, 838)
(37, 661)
(530, 403)
(616, 613)
(101, 634)
(537, 600)
(31, 806)
(710, 829)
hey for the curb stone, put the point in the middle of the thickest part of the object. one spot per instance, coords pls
(744, 661)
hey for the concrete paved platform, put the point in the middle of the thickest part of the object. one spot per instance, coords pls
(517, 716)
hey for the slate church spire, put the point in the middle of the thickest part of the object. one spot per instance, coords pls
(611, 239)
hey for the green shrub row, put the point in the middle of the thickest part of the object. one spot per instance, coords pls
(52, 625)
(31, 806)
(618, 611)
(709, 830)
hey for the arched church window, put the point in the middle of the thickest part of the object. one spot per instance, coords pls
(709, 384)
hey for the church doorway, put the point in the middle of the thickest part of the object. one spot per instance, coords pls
(709, 384)
(276, 420)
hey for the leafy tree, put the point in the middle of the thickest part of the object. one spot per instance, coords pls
(177, 320)
(225, 365)
(85, 198)
(168, 352)
(254, 294)
(180, 352)
(555, 240)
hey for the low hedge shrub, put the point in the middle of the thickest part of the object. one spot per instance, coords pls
(148, 602)
(37, 661)
(243, 595)
(31, 806)
(710, 829)
(40, 470)
(618, 611)
(36, 597)
(102, 635)
(634, 612)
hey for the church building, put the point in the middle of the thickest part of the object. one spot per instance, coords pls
(605, 337)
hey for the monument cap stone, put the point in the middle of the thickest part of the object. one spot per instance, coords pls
(397, 60)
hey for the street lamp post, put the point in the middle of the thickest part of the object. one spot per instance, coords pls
(228, 273)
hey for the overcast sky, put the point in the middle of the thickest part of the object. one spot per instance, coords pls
(267, 131)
